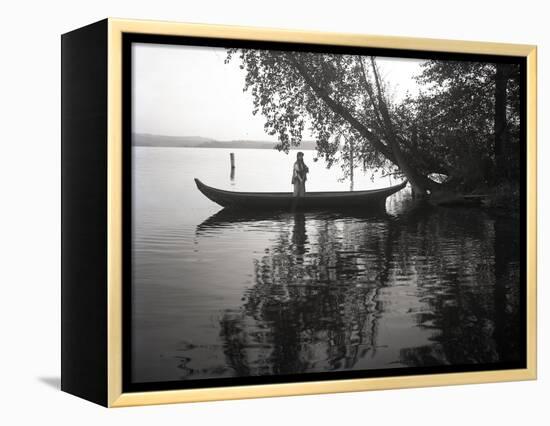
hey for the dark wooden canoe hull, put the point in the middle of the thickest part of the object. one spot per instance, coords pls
(373, 199)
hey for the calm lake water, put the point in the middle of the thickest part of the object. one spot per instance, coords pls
(222, 295)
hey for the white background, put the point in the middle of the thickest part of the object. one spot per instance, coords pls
(30, 200)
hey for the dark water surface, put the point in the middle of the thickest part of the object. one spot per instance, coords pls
(217, 294)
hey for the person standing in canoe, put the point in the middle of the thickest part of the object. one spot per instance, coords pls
(299, 175)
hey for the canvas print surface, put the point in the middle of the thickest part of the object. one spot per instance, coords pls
(300, 212)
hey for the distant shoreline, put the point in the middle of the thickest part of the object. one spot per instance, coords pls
(148, 140)
(294, 148)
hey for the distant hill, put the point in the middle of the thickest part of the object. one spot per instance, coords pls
(145, 139)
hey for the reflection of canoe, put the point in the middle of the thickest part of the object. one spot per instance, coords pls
(229, 218)
(312, 200)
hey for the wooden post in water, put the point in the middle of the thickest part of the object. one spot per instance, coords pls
(351, 165)
(232, 160)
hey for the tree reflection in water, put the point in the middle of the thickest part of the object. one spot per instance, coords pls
(470, 285)
(320, 291)
(313, 305)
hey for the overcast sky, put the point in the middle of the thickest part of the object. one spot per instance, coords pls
(189, 91)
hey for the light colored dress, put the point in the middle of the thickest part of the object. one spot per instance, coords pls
(299, 170)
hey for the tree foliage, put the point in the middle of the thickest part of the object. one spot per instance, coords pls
(455, 116)
(342, 100)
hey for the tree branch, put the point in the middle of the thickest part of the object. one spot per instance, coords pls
(340, 109)
(368, 88)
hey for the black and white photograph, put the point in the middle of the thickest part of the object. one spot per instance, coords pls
(238, 213)
(308, 213)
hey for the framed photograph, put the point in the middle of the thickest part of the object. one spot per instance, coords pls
(250, 212)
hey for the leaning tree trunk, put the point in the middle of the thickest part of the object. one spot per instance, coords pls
(420, 184)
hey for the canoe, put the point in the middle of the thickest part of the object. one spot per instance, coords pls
(311, 201)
